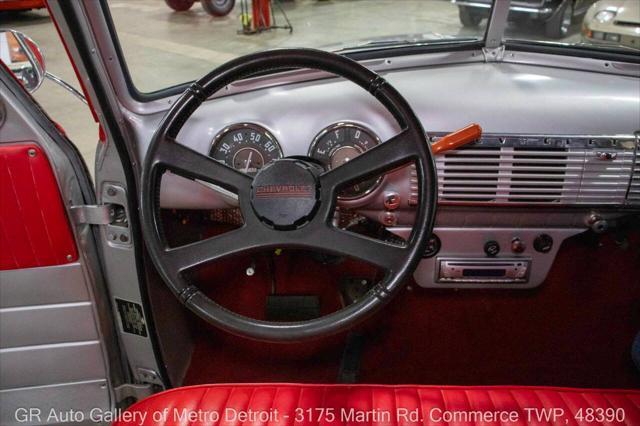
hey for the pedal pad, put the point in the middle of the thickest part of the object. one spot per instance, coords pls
(292, 307)
(351, 358)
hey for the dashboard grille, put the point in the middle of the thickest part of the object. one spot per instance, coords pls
(633, 196)
(528, 174)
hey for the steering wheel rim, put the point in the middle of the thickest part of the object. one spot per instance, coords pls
(317, 233)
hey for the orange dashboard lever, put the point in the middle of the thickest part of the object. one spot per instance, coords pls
(457, 139)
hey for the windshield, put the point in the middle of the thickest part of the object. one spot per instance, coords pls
(164, 47)
(170, 42)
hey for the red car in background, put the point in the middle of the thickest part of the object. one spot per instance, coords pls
(7, 5)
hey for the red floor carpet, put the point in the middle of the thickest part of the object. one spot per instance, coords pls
(575, 330)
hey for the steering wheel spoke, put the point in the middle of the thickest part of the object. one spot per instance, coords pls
(388, 155)
(370, 250)
(188, 256)
(183, 160)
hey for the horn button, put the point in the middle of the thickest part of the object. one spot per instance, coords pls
(285, 194)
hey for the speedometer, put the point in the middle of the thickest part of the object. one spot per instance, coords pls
(339, 143)
(246, 147)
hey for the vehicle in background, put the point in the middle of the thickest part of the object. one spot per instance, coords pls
(212, 7)
(557, 15)
(614, 22)
(17, 5)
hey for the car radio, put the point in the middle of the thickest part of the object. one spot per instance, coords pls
(452, 270)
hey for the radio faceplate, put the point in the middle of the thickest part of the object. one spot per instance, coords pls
(463, 270)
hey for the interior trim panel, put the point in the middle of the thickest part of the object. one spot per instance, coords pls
(29, 188)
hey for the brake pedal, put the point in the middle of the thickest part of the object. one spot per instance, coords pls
(292, 307)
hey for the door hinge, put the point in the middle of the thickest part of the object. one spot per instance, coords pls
(100, 214)
(112, 216)
(135, 391)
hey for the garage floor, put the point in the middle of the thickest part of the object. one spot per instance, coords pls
(164, 48)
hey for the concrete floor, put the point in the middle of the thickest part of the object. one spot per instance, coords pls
(164, 48)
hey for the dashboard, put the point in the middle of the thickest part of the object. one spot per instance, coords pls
(559, 155)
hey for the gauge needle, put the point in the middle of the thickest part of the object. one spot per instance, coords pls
(246, 167)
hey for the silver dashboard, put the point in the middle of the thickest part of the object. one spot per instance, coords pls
(535, 108)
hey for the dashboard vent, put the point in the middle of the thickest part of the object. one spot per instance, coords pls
(522, 174)
(633, 197)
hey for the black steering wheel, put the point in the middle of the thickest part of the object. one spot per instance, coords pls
(289, 203)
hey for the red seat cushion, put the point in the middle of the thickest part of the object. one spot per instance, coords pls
(338, 405)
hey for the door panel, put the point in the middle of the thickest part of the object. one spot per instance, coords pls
(27, 287)
(50, 323)
(34, 230)
(44, 365)
(54, 319)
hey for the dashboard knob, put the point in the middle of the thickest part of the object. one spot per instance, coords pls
(597, 223)
(433, 247)
(543, 243)
(517, 245)
(391, 201)
(491, 248)
(389, 219)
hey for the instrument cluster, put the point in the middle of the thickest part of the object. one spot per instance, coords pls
(248, 147)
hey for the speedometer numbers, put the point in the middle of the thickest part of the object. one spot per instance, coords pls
(246, 147)
(338, 144)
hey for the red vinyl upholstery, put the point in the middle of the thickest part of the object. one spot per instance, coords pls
(34, 228)
(304, 404)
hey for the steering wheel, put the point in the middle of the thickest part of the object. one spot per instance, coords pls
(289, 203)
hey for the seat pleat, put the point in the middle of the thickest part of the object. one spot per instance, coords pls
(503, 400)
(214, 402)
(342, 405)
(630, 405)
(335, 399)
(456, 401)
(307, 398)
(528, 399)
(384, 399)
(409, 399)
(479, 401)
(238, 401)
(262, 402)
(285, 400)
